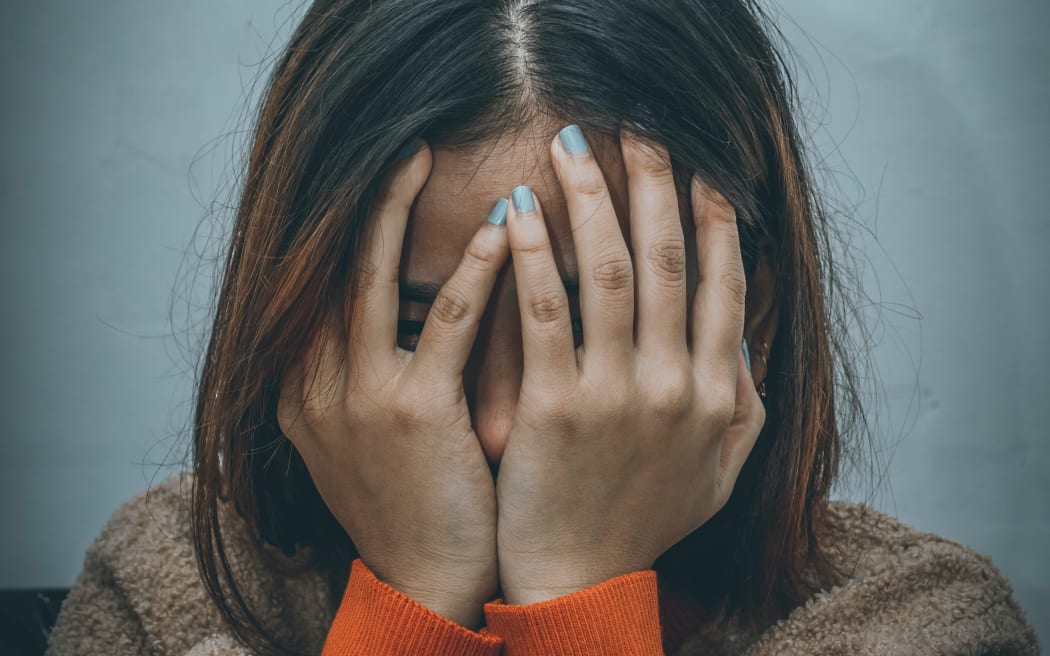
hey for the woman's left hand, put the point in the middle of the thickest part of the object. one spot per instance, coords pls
(620, 451)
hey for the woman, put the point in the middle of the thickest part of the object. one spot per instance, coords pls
(602, 421)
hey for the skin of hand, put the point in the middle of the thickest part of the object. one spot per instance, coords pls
(387, 434)
(620, 449)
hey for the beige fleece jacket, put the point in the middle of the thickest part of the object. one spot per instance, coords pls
(911, 592)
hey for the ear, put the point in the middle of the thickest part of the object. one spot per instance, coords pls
(762, 313)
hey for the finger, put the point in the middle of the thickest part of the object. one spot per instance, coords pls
(310, 382)
(748, 419)
(452, 325)
(376, 296)
(718, 311)
(546, 331)
(659, 247)
(290, 400)
(606, 272)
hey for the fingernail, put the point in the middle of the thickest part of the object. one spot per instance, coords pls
(523, 199)
(747, 355)
(407, 149)
(572, 138)
(498, 215)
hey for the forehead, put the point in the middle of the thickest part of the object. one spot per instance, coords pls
(465, 184)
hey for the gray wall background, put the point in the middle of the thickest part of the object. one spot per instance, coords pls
(116, 129)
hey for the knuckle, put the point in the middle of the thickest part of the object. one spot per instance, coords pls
(719, 405)
(532, 253)
(614, 273)
(735, 283)
(480, 256)
(759, 416)
(655, 162)
(607, 394)
(589, 184)
(402, 410)
(450, 306)
(615, 400)
(725, 492)
(673, 395)
(288, 418)
(559, 416)
(547, 307)
(720, 208)
(667, 257)
(757, 411)
(552, 407)
(710, 205)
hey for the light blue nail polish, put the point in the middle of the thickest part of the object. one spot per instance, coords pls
(523, 199)
(498, 216)
(407, 149)
(572, 138)
(747, 355)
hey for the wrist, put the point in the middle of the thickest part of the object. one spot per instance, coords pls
(519, 590)
(514, 597)
(468, 614)
(459, 599)
(552, 581)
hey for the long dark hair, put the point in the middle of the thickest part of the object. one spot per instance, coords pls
(361, 78)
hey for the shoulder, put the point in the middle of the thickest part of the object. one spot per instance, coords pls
(862, 540)
(147, 544)
(144, 562)
(151, 529)
(865, 542)
(904, 590)
(139, 589)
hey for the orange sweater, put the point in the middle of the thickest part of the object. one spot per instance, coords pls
(623, 615)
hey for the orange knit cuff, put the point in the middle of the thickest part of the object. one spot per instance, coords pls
(620, 616)
(378, 620)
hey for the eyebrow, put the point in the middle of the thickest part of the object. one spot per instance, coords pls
(422, 291)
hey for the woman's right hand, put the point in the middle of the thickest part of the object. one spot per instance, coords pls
(386, 434)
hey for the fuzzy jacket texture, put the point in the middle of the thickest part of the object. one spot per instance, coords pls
(907, 592)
